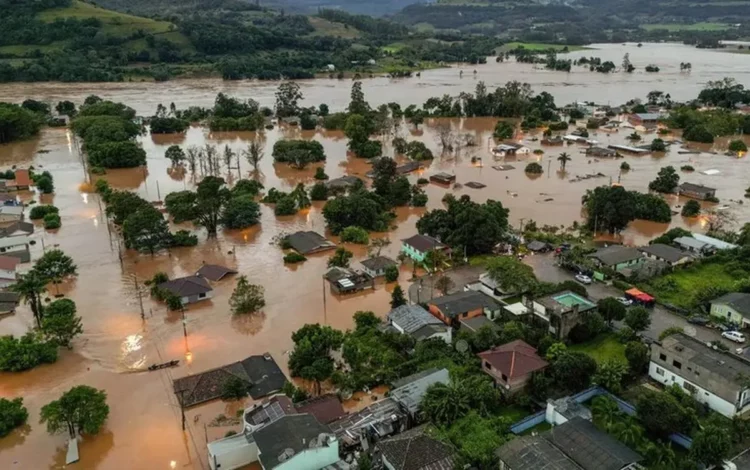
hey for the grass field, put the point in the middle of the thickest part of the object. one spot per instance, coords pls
(536, 46)
(688, 27)
(324, 27)
(394, 47)
(602, 348)
(679, 287)
(114, 22)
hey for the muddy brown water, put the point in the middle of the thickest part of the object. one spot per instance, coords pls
(143, 430)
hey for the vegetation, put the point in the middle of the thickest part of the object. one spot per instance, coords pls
(311, 357)
(294, 257)
(298, 153)
(356, 235)
(534, 168)
(340, 258)
(234, 388)
(27, 352)
(17, 123)
(52, 221)
(611, 208)
(42, 210)
(80, 410)
(246, 297)
(12, 415)
(60, 323)
(666, 180)
(692, 208)
(397, 297)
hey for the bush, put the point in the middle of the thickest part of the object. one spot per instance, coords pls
(622, 285)
(234, 388)
(320, 174)
(12, 415)
(355, 235)
(691, 209)
(98, 170)
(658, 145)
(422, 181)
(419, 199)
(173, 302)
(391, 273)
(319, 192)
(687, 168)
(52, 221)
(184, 238)
(294, 257)
(737, 146)
(534, 168)
(285, 206)
(624, 166)
(44, 183)
(39, 212)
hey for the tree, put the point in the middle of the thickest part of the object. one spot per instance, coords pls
(628, 431)
(211, 196)
(638, 318)
(564, 158)
(444, 284)
(692, 208)
(658, 145)
(246, 297)
(44, 183)
(391, 274)
(661, 414)
(54, 266)
(359, 208)
(534, 168)
(358, 105)
(608, 208)
(503, 130)
(444, 404)
(605, 411)
(711, 446)
(611, 310)
(311, 357)
(638, 357)
(254, 154)
(737, 146)
(12, 415)
(609, 375)
(397, 297)
(66, 108)
(30, 287)
(666, 180)
(288, 96)
(240, 212)
(340, 258)
(60, 323)
(356, 235)
(511, 275)
(234, 388)
(573, 370)
(146, 230)
(120, 204)
(175, 154)
(377, 245)
(80, 410)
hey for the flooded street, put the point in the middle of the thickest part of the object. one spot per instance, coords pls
(143, 429)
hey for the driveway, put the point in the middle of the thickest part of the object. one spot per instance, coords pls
(661, 318)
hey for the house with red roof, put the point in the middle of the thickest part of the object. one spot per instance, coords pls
(511, 365)
(22, 180)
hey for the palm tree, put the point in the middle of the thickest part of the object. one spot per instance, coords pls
(605, 411)
(30, 287)
(564, 158)
(658, 455)
(628, 431)
(445, 403)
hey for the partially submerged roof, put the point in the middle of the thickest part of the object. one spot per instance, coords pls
(410, 390)
(415, 450)
(534, 452)
(648, 116)
(514, 359)
(665, 252)
(17, 228)
(696, 188)
(265, 375)
(739, 301)
(411, 318)
(269, 410)
(306, 242)
(187, 286)
(590, 448)
(287, 437)
(423, 243)
(536, 245)
(616, 254)
(461, 302)
(378, 263)
(325, 408)
(23, 178)
(214, 272)
(343, 183)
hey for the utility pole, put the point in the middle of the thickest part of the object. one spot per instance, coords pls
(158, 192)
(140, 299)
(182, 407)
(325, 311)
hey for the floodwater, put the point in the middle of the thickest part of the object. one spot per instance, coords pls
(143, 429)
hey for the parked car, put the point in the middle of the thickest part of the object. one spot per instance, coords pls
(698, 320)
(583, 279)
(735, 336)
(625, 301)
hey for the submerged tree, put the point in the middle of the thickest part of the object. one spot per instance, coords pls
(80, 410)
(54, 266)
(246, 297)
(30, 287)
(564, 158)
(60, 323)
(254, 154)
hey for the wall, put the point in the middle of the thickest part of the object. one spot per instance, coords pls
(231, 453)
(312, 459)
(446, 336)
(702, 395)
(727, 312)
(412, 253)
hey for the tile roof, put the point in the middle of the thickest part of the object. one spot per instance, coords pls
(455, 304)
(325, 408)
(534, 452)
(616, 254)
(288, 437)
(514, 359)
(665, 252)
(22, 178)
(411, 318)
(590, 448)
(214, 272)
(8, 263)
(737, 300)
(306, 242)
(410, 390)
(378, 263)
(187, 286)
(423, 243)
(415, 450)
(265, 375)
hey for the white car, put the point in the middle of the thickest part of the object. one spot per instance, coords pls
(625, 301)
(583, 279)
(735, 336)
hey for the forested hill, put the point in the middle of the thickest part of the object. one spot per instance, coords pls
(583, 21)
(71, 40)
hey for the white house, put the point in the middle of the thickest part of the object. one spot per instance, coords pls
(508, 150)
(710, 376)
(8, 270)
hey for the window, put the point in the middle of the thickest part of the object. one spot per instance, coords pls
(487, 366)
(663, 357)
(659, 371)
(201, 296)
(677, 364)
(689, 387)
(504, 377)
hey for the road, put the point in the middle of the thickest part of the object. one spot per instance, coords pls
(661, 318)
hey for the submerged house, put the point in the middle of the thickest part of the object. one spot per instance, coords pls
(309, 242)
(347, 281)
(601, 152)
(510, 150)
(416, 247)
(189, 289)
(697, 191)
(377, 265)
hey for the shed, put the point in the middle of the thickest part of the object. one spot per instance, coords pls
(308, 242)
(697, 191)
(443, 178)
(214, 272)
(189, 289)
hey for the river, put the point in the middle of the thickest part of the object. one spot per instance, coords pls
(143, 429)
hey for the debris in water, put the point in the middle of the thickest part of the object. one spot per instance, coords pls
(503, 167)
(711, 172)
(475, 185)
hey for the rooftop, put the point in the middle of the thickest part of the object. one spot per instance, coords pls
(378, 263)
(566, 301)
(378, 416)
(23, 178)
(343, 182)
(411, 318)
(475, 323)
(737, 300)
(455, 304)
(12, 210)
(616, 254)
(648, 116)
(691, 242)
(214, 272)
(265, 375)
(534, 452)
(325, 408)
(8, 263)
(287, 437)
(723, 364)
(423, 243)
(269, 410)
(536, 245)
(306, 242)
(415, 450)
(186, 286)
(17, 228)
(715, 242)
(410, 390)
(696, 188)
(590, 448)
(665, 252)
(514, 359)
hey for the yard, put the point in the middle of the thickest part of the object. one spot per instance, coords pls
(680, 287)
(602, 348)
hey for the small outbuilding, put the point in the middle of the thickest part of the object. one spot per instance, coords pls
(443, 178)
(214, 272)
(697, 191)
(309, 242)
(189, 289)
